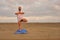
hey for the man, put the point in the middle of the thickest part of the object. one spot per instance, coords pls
(20, 17)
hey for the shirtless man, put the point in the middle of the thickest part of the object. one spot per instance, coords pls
(20, 17)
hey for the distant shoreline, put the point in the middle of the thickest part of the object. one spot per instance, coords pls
(36, 23)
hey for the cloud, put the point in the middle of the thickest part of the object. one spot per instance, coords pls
(57, 7)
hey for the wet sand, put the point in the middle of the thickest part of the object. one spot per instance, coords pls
(36, 31)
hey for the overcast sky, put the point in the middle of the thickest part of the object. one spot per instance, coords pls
(45, 9)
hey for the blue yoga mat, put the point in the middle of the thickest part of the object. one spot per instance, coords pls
(23, 31)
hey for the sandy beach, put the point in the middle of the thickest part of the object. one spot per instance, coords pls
(36, 31)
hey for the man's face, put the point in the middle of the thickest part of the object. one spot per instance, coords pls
(19, 8)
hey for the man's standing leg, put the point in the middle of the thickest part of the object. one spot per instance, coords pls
(19, 25)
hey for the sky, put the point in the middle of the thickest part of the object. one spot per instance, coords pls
(35, 10)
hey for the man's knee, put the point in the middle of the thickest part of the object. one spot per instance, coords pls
(23, 20)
